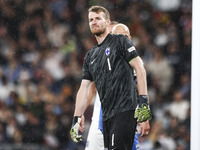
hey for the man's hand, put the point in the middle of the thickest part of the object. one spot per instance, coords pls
(82, 123)
(144, 128)
(75, 129)
(143, 112)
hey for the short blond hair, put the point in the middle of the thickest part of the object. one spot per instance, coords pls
(98, 9)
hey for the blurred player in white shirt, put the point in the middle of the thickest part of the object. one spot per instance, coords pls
(95, 136)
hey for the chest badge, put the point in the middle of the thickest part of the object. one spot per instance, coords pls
(108, 60)
(108, 51)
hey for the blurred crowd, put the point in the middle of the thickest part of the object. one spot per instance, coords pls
(42, 47)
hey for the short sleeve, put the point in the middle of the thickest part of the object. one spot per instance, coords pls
(85, 72)
(127, 48)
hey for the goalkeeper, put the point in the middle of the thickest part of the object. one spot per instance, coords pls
(109, 64)
(95, 136)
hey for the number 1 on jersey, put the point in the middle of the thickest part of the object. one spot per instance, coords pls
(109, 66)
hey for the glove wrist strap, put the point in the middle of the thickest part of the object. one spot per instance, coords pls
(143, 99)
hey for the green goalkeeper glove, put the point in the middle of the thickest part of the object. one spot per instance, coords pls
(75, 129)
(142, 111)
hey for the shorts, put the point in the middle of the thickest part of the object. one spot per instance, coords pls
(95, 137)
(119, 131)
(136, 145)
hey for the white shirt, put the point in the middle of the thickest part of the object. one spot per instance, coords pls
(97, 108)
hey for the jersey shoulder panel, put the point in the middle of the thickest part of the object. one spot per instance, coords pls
(126, 47)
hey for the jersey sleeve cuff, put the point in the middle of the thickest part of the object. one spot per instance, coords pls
(87, 78)
(130, 59)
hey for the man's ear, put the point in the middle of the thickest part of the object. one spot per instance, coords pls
(108, 22)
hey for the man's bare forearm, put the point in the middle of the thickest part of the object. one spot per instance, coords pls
(82, 96)
(91, 95)
(137, 64)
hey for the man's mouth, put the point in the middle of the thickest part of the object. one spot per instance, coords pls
(94, 27)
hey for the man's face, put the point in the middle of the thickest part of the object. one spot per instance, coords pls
(97, 23)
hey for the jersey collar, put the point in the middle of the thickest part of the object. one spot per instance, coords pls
(104, 40)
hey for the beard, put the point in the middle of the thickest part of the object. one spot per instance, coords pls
(98, 32)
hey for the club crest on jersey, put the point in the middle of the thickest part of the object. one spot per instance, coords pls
(108, 51)
(131, 49)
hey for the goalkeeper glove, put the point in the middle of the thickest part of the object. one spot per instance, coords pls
(143, 112)
(75, 129)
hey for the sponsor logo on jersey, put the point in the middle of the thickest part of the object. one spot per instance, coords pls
(108, 51)
(131, 49)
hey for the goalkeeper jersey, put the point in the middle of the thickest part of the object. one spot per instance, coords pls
(107, 64)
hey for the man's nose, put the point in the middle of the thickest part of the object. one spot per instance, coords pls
(94, 21)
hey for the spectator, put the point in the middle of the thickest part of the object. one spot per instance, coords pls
(179, 106)
(161, 71)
